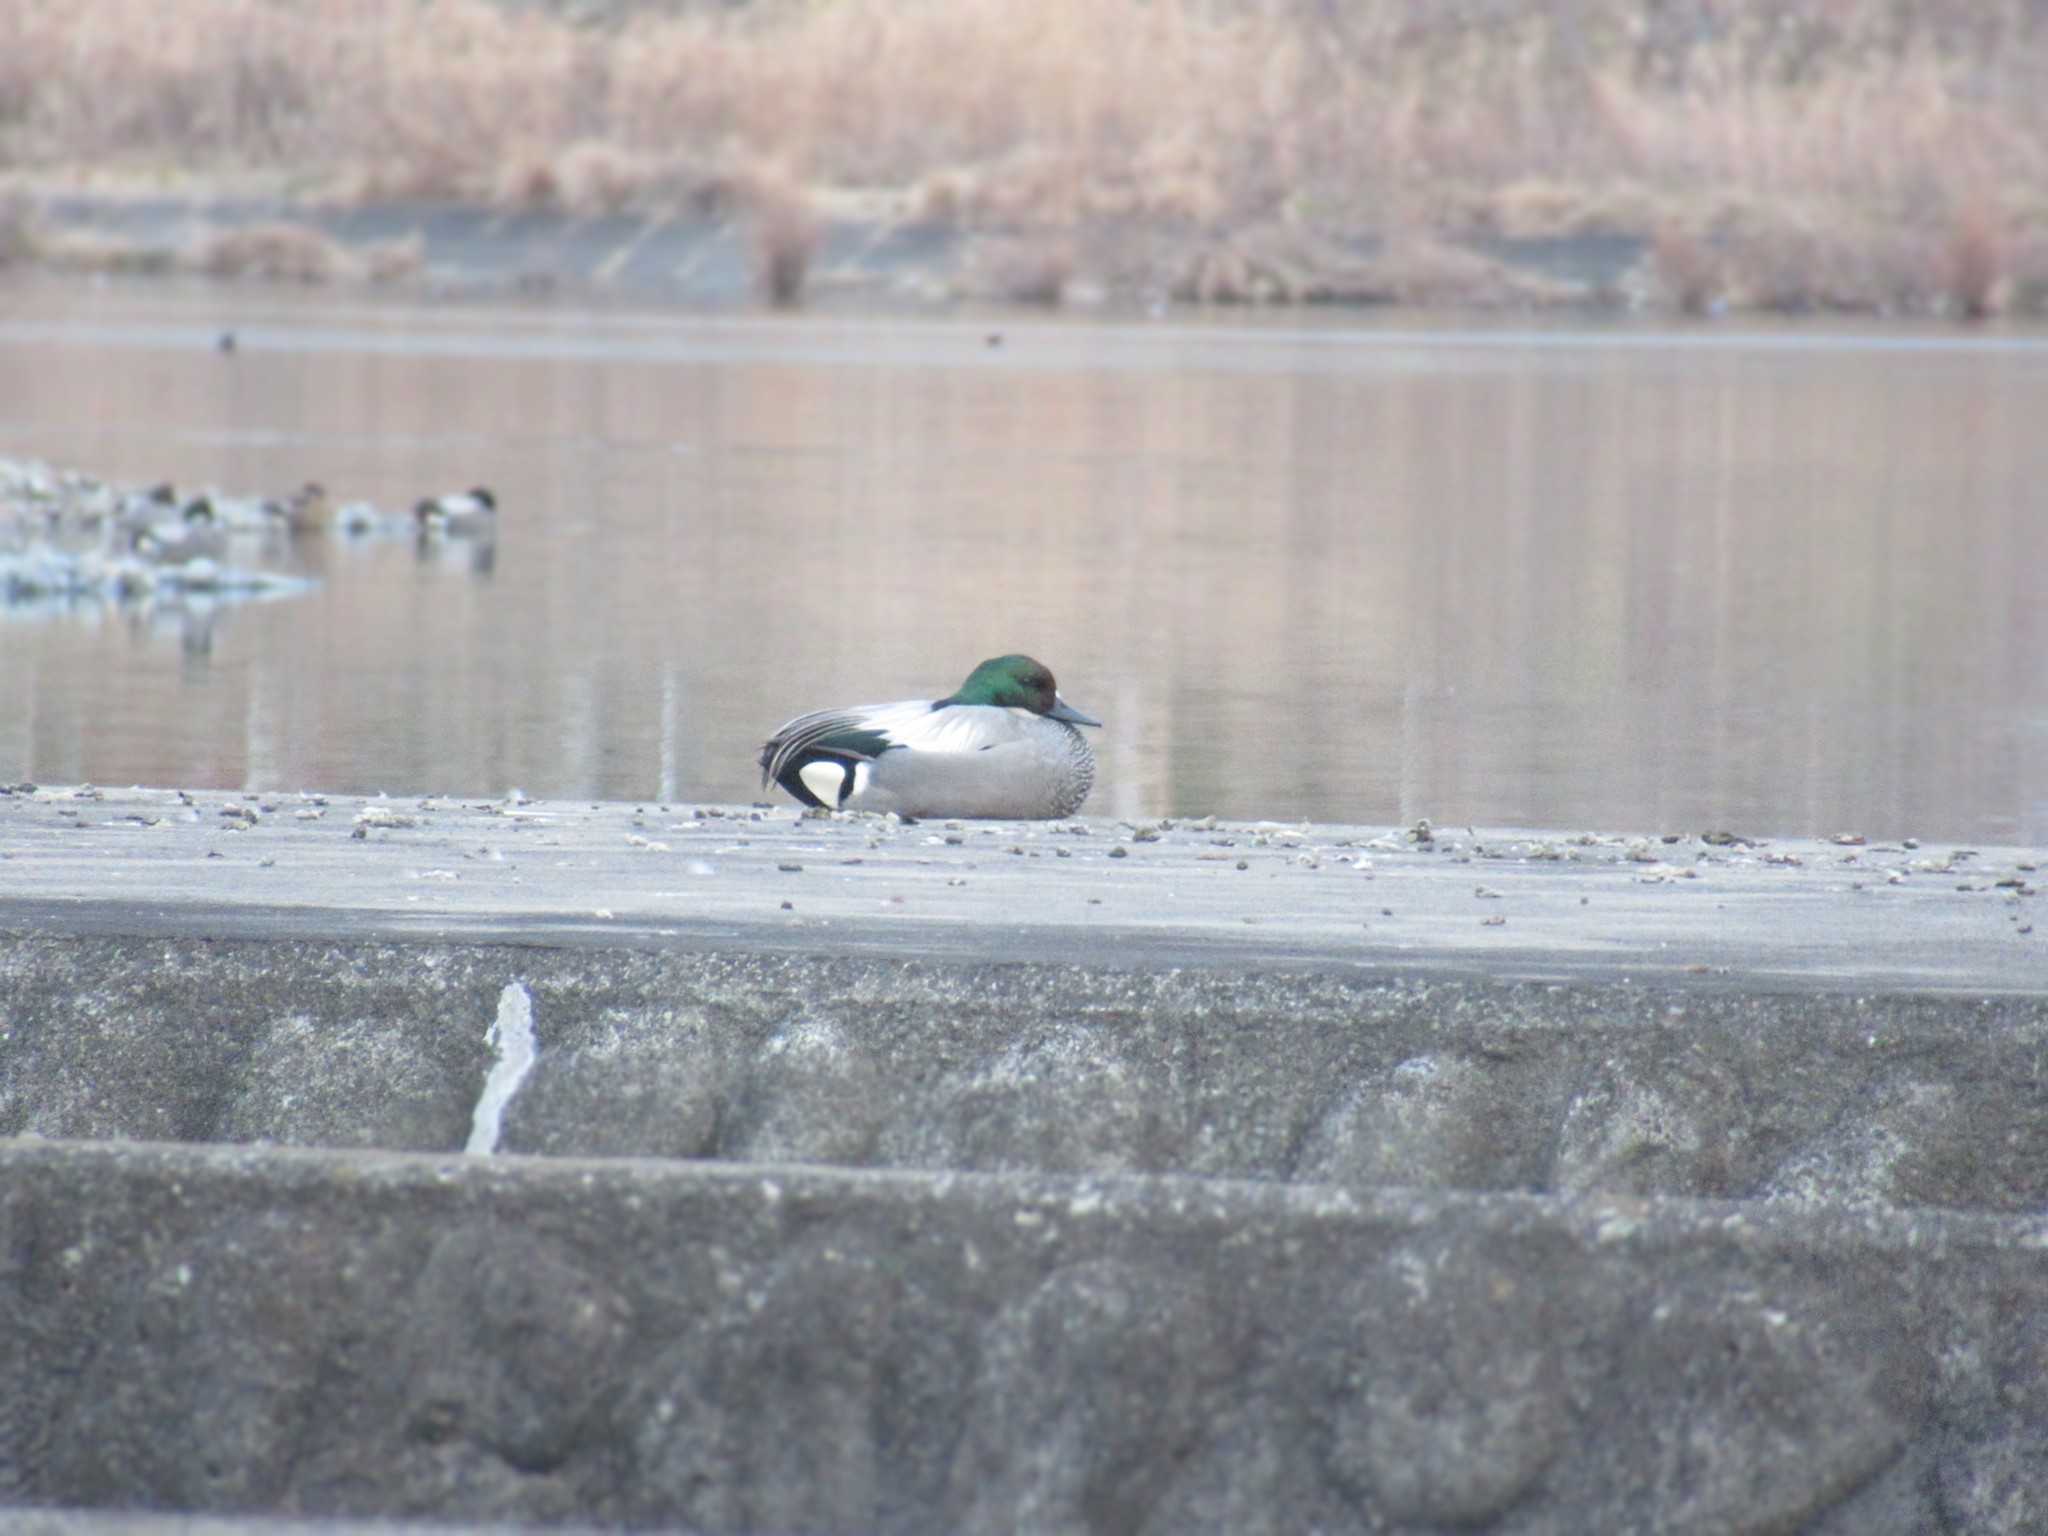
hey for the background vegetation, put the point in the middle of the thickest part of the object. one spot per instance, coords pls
(1884, 155)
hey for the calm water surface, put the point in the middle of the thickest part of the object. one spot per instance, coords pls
(1772, 582)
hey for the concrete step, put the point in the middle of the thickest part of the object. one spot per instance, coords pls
(53, 1521)
(1687, 1019)
(714, 1169)
(750, 1348)
(1264, 1073)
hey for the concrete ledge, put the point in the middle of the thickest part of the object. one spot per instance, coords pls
(1704, 1017)
(1047, 1178)
(1786, 915)
(1244, 1073)
(94, 1522)
(775, 1348)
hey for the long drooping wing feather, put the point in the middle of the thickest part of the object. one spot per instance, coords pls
(846, 733)
(864, 732)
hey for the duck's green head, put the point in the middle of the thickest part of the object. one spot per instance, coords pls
(1017, 682)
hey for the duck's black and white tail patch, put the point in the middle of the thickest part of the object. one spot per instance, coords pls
(822, 759)
(828, 780)
(825, 782)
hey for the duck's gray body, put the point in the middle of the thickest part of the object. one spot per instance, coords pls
(943, 757)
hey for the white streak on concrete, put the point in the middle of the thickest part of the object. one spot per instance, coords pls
(671, 710)
(511, 1036)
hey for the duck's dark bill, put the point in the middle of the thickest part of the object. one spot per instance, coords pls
(1062, 710)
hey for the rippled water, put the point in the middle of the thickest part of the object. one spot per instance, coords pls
(1772, 582)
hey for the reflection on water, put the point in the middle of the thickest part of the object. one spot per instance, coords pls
(1782, 584)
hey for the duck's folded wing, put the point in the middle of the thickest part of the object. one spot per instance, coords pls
(858, 735)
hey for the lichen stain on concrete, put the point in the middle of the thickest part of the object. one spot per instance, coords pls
(511, 1036)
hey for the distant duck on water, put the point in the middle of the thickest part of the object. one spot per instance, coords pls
(306, 510)
(194, 534)
(1003, 744)
(459, 515)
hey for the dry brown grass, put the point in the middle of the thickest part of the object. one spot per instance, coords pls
(91, 251)
(782, 232)
(1800, 153)
(1276, 263)
(1021, 270)
(1687, 269)
(279, 252)
(276, 251)
(1977, 256)
(284, 251)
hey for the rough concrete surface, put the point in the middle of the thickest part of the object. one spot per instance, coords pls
(1011, 1177)
(750, 1348)
(21, 1521)
(1789, 913)
(938, 1064)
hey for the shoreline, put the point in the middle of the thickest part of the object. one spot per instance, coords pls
(862, 257)
(864, 260)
